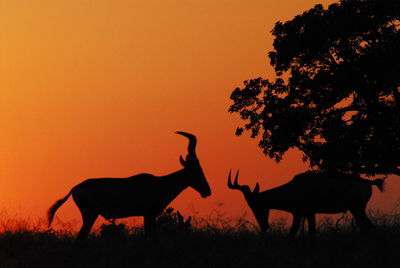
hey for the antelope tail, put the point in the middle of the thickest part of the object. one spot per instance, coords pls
(52, 210)
(380, 183)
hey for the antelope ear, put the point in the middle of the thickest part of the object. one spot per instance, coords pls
(183, 162)
(256, 189)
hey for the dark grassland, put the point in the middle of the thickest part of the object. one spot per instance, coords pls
(212, 244)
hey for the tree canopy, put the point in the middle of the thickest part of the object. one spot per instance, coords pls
(336, 94)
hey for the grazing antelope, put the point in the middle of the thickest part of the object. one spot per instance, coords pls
(140, 195)
(309, 193)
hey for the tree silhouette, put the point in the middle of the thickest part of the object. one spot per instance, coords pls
(336, 96)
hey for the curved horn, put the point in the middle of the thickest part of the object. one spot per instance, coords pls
(192, 141)
(243, 188)
(230, 185)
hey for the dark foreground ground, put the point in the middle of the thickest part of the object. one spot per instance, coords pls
(237, 246)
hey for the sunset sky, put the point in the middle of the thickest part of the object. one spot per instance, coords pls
(97, 89)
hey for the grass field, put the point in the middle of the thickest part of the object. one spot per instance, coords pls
(215, 244)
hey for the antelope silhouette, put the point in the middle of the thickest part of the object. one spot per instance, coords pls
(140, 195)
(310, 193)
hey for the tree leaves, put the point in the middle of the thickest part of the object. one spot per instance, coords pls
(340, 101)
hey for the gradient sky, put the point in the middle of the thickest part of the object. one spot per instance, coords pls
(98, 88)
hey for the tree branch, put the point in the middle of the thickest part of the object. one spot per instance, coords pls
(339, 111)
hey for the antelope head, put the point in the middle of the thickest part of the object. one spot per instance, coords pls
(196, 177)
(252, 197)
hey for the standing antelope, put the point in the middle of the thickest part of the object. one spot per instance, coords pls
(309, 193)
(140, 195)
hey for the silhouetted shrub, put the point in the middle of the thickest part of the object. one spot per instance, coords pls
(120, 245)
(113, 231)
(172, 221)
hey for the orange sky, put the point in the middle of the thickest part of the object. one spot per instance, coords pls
(97, 88)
